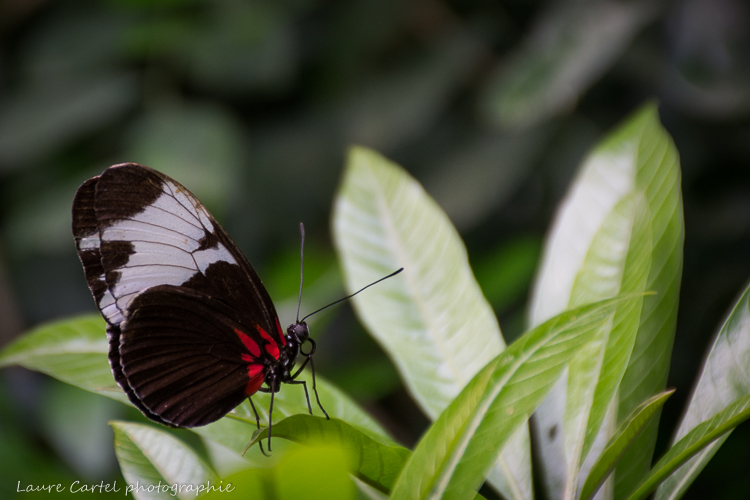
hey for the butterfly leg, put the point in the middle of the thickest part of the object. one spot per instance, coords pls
(308, 359)
(257, 418)
(270, 413)
(257, 422)
(315, 390)
(302, 367)
(307, 395)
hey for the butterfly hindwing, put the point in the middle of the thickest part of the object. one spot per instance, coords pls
(189, 358)
(113, 337)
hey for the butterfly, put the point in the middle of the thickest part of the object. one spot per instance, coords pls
(192, 330)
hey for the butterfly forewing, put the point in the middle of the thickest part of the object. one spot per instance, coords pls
(137, 229)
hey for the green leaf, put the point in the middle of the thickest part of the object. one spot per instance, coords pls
(723, 381)
(73, 350)
(432, 319)
(451, 460)
(621, 441)
(384, 220)
(155, 464)
(372, 462)
(694, 441)
(619, 231)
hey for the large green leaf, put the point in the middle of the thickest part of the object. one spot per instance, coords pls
(702, 435)
(620, 230)
(723, 381)
(72, 350)
(384, 220)
(432, 319)
(451, 460)
(75, 351)
(155, 464)
(372, 462)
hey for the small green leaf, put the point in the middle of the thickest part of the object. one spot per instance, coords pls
(452, 459)
(155, 464)
(621, 440)
(694, 441)
(373, 462)
(291, 401)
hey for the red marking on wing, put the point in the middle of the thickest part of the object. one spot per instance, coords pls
(270, 346)
(255, 381)
(249, 343)
(281, 332)
(255, 373)
(254, 369)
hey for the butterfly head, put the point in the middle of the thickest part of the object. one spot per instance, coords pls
(299, 332)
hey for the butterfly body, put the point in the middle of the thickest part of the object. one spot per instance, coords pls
(192, 330)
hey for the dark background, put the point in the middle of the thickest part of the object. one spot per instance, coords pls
(252, 105)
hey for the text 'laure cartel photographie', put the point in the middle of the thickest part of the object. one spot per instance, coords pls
(108, 487)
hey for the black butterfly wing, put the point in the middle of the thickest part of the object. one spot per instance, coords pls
(135, 229)
(188, 357)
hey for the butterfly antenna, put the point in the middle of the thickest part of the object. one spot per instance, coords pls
(355, 293)
(301, 266)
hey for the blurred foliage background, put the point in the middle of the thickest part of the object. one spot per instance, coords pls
(252, 105)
